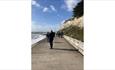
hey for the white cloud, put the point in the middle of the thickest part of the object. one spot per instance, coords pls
(70, 4)
(34, 3)
(62, 21)
(43, 27)
(36, 26)
(45, 9)
(53, 8)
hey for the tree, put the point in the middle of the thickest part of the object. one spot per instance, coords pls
(78, 10)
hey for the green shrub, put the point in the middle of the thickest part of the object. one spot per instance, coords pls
(74, 32)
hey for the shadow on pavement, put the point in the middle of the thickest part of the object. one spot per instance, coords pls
(58, 42)
(65, 49)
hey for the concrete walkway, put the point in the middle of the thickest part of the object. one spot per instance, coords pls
(62, 57)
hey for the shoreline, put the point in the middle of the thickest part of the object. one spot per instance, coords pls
(34, 41)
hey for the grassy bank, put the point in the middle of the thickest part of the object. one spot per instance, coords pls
(74, 32)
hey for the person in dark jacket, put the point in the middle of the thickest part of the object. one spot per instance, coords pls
(61, 33)
(51, 38)
(47, 36)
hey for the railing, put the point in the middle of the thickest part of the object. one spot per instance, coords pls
(75, 43)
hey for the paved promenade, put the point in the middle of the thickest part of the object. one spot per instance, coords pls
(62, 57)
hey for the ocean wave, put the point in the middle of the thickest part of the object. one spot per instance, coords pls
(37, 37)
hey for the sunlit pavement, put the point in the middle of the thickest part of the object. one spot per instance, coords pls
(62, 57)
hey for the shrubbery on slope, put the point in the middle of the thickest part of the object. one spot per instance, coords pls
(74, 32)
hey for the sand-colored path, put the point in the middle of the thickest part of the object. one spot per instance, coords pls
(62, 57)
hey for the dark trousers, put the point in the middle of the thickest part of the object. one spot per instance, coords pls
(51, 44)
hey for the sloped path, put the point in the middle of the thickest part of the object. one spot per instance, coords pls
(62, 57)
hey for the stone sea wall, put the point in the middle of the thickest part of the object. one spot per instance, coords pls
(75, 43)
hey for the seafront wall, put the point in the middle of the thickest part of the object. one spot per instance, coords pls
(75, 43)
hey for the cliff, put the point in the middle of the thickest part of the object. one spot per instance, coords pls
(73, 21)
(74, 28)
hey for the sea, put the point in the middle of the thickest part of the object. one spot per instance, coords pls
(37, 36)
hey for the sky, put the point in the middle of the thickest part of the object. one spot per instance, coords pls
(50, 14)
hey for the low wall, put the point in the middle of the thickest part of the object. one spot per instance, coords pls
(75, 43)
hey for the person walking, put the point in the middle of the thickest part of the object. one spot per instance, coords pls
(61, 34)
(47, 36)
(51, 38)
